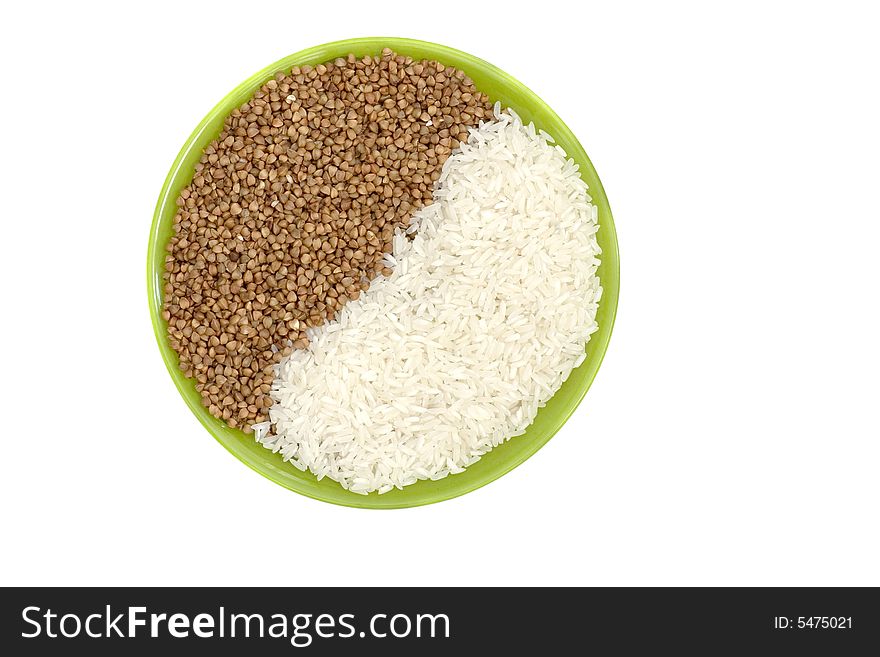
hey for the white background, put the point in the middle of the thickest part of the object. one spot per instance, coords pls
(731, 436)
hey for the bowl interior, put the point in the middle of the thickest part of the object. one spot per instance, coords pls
(500, 87)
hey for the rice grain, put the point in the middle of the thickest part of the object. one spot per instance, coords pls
(484, 314)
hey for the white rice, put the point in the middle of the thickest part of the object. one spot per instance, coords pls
(485, 314)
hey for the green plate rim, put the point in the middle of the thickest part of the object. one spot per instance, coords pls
(280, 472)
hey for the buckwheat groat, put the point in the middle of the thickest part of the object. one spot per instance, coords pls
(292, 207)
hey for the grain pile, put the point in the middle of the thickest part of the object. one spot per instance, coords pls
(484, 316)
(292, 209)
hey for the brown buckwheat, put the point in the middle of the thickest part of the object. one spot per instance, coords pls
(292, 208)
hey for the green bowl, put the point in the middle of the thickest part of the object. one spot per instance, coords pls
(504, 458)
